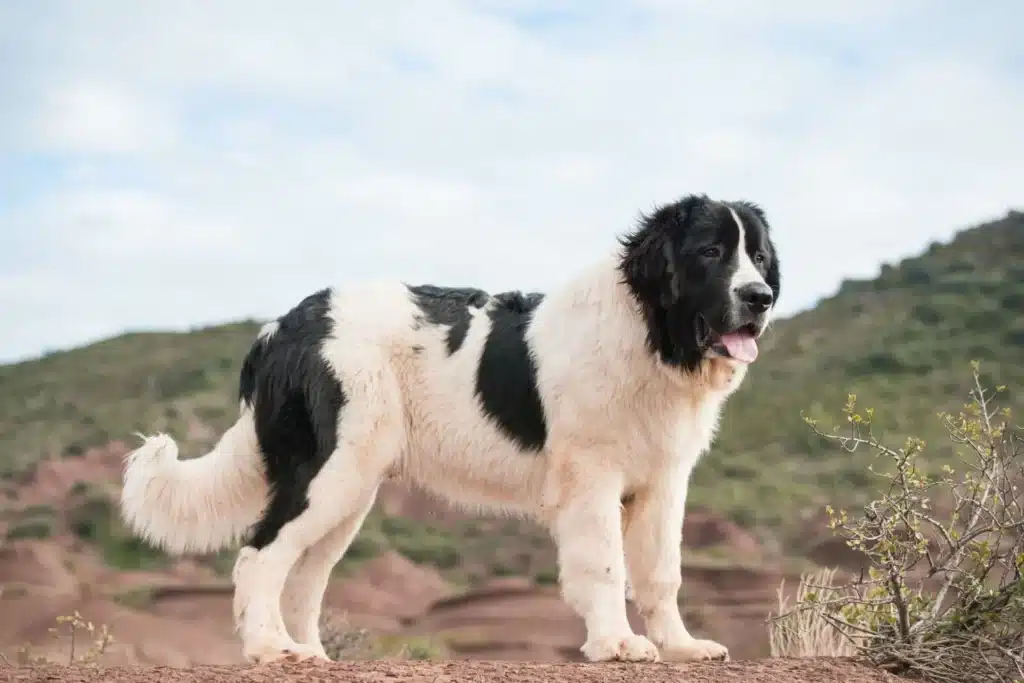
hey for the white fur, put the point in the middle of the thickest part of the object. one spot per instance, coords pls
(746, 272)
(619, 423)
(268, 330)
(196, 505)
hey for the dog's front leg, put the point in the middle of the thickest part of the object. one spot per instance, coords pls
(653, 539)
(587, 530)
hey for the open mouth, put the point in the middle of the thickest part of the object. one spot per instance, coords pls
(739, 344)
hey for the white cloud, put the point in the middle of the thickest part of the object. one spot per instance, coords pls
(575, 171)
(790, 13)
(134, 225)
(101, 118)
(186, 163)
(409, 196)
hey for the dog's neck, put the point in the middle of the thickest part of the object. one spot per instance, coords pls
(714, 375)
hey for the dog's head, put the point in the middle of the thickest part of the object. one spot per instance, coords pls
(706, 276)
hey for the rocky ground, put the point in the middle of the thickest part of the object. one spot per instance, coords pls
(767, 671)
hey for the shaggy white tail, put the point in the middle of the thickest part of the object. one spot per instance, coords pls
(198, 505)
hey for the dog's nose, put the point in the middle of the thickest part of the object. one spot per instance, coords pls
(756, 296)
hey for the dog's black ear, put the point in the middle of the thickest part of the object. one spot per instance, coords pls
(645, 259)
(649, 263)
(653, 270)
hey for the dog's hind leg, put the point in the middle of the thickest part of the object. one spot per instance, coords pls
(304, 589)
(339, 498)
(365, 440)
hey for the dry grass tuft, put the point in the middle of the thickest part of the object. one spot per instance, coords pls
(809, 633)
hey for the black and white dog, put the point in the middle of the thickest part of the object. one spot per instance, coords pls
(585, 409)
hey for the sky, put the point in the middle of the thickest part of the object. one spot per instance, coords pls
(168, 164)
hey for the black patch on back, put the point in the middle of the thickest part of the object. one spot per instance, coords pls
(506, 379)
(448, 306)
(296, 399)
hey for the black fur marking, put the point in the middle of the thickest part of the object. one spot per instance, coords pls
(296, 399)
(506, 379)
(678, 265)
(449, 306)
(649, 270)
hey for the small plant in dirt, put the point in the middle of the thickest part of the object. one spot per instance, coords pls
(343, 641)
(86, 643)
(943, 595)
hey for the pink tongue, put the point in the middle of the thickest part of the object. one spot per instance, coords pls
(741, 346)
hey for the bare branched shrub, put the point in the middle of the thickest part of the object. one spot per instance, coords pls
(809, 632)
(943, 597)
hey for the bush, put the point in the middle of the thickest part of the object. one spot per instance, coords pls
(436, 550)
(365, 545)
(916, 274)
(926, 313)
(421, 543)
(36, 529)
(501, 569)
(546, 577)
(1013, 301)
(985, 320)
(95, 519)
(943, 598)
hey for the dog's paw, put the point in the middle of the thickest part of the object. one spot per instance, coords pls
(628, 648)
(287, 654)
(306, 653)
(696, 650)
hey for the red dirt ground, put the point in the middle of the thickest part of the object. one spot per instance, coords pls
(767, 671)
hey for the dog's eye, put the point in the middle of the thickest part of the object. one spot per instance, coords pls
(759, 258)
(711, 252)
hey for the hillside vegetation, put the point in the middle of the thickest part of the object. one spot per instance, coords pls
(902, 343)
(68, 401)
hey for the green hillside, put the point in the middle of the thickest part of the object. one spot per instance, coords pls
(67, 401)
(902, 343)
